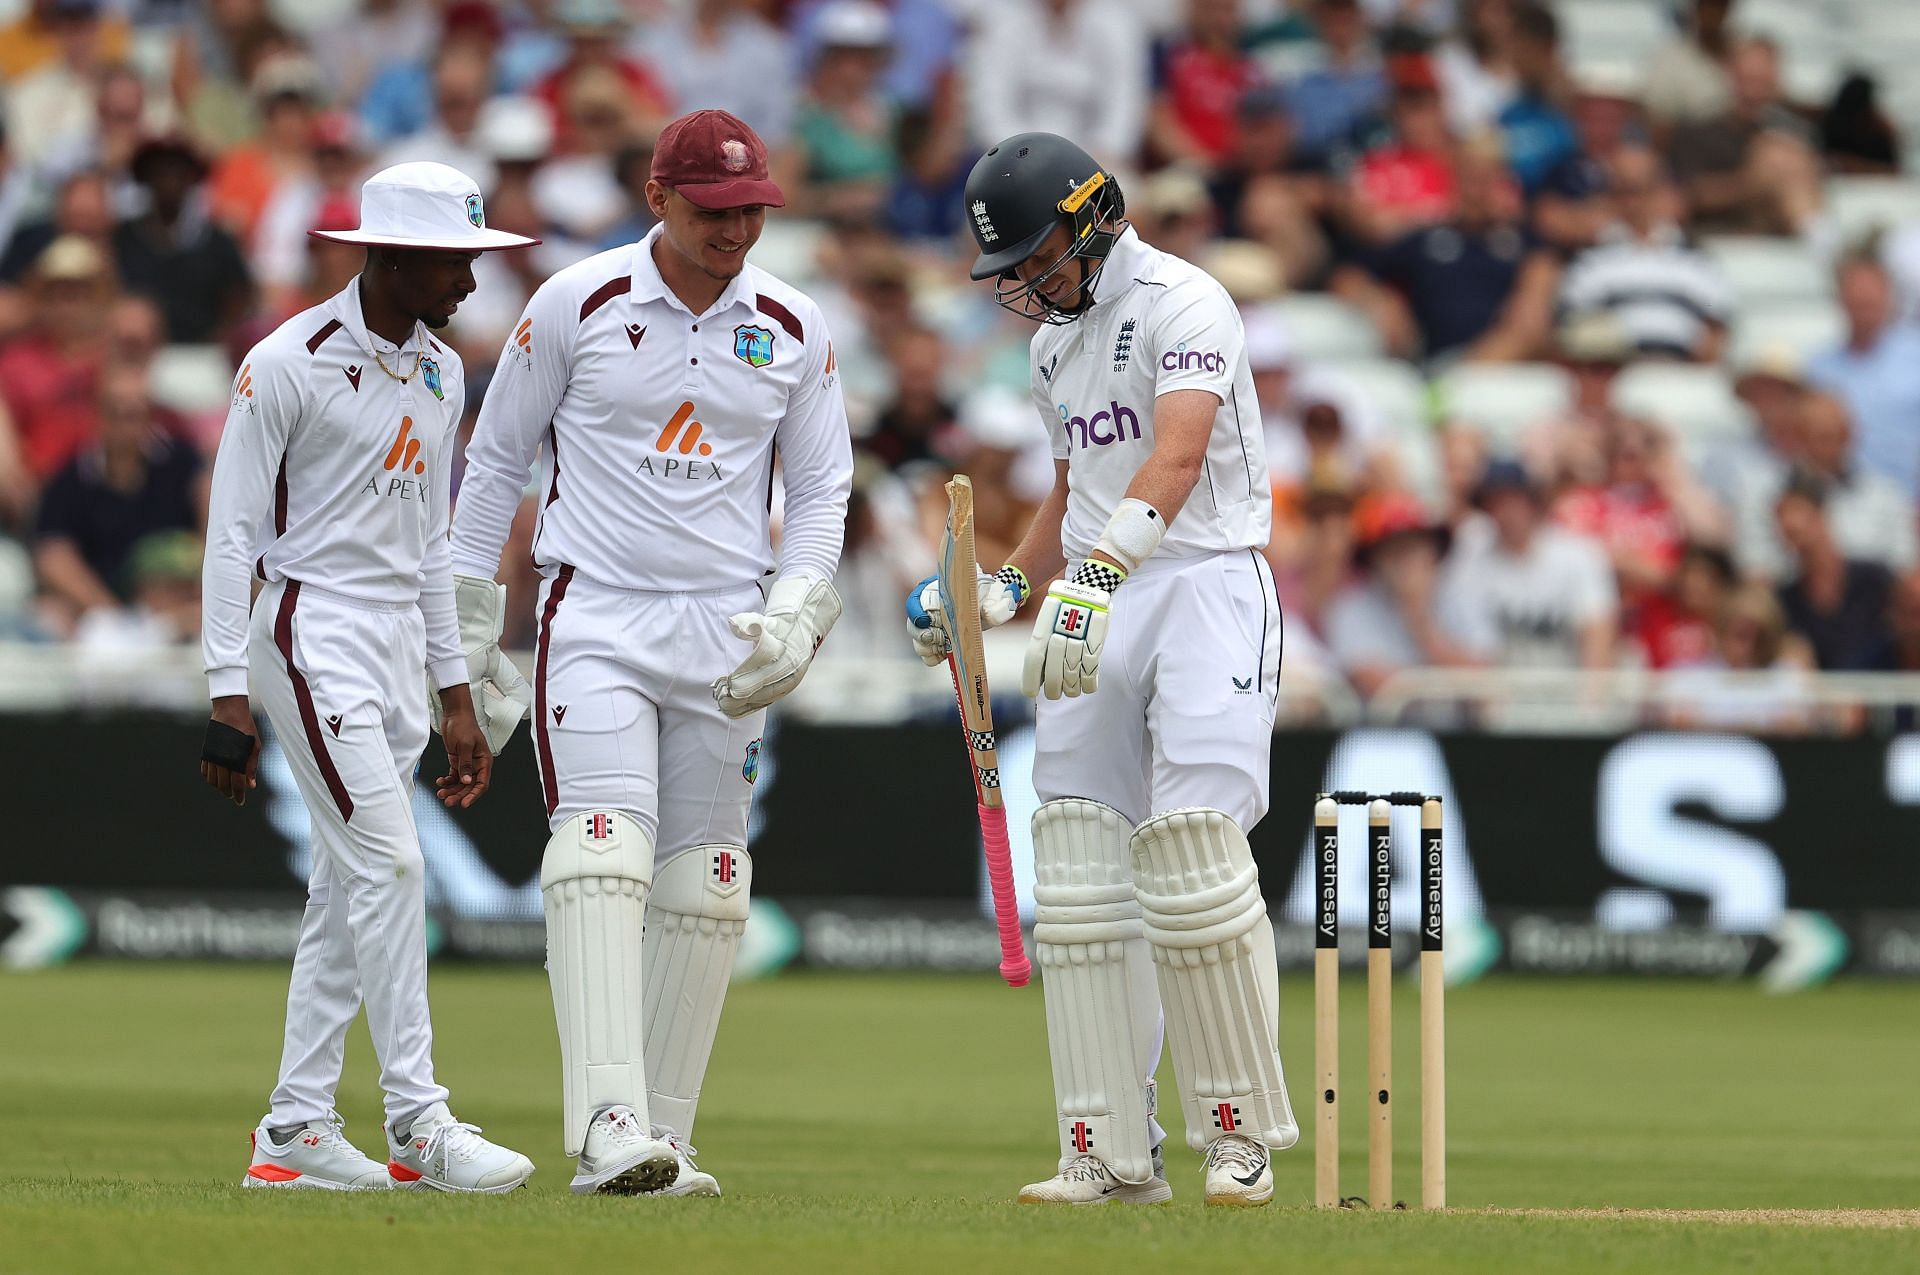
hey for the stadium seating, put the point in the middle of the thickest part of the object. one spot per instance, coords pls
(1325, 327)
(1503, 399)
(1694, 403)
(1391, 386)
(1763, 269)
(1800, 329)
(1862, 205)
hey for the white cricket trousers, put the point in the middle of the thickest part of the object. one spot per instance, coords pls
(343, 683)
(623, 711)
(1184, 713)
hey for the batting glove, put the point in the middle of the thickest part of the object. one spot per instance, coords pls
(1000, 596)
(1063, 658)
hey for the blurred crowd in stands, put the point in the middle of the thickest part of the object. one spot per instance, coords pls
(1585, 333)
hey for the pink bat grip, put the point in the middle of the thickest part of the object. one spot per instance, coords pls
(1006, 909)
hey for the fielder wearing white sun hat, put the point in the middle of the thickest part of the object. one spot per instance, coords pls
(424, 205)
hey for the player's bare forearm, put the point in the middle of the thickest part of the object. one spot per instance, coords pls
(1039, 556)
(1182, 424)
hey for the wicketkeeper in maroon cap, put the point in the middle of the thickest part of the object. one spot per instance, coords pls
(653, 382)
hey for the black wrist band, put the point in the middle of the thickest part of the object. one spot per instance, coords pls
(227, 747)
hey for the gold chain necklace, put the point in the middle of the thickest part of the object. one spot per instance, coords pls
(418, 355)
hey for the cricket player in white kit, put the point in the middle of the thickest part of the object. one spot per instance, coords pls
(658, 381)
(1158, 650)
(331, 487)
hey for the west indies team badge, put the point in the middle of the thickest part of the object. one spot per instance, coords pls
(430, 373)
(753, 345)
(750, 769)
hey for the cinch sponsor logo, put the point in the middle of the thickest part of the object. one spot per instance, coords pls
(681, 437)
(1116, 423)
(1184, 360)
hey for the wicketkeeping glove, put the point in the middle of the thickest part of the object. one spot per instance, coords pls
(1063, 658)
(1000, 596)
(785, 635)
(501, 697)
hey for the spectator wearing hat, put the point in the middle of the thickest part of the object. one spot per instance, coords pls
(1078, 68)
(1856, 135)
(1870, 516)
(131, 481)
(1753, 168)
(1312, 550)
(720, 53)
(1338, 103)
(1876, 369)
(1173, 213)
(1745, 473)
(1391, 618)
(244, 178)
(1838, 603)
(596, 32)
(843, 129)
(1537, 135)
(175, 253)
(1524, 592)
(49, 375)
(1474, 285)
(1317, 426)
(1202, 74)
(1667, 296)
(516, 132)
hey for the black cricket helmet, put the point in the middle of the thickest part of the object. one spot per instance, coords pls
(1016, 194)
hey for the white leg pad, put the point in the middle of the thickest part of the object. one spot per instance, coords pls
(695, 918)
(1103, 1014)
(594, 879)
(1213, 949)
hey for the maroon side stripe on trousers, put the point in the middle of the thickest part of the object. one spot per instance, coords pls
(303, 696)
(548, 779)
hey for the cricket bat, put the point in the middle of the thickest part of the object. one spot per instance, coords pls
(959, 598)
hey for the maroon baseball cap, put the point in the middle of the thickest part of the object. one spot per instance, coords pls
(716, 161)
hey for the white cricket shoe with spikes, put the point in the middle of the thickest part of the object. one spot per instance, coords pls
(440, 1153)
(692, 1181)
(622, 1157)
(317, 1158)
(1087, 1180)
(1239, 1171)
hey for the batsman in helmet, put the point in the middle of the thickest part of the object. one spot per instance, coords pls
(1155, 656)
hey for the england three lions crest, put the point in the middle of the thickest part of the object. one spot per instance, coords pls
(753, 345)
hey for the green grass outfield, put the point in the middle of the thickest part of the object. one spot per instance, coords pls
(883, 1123)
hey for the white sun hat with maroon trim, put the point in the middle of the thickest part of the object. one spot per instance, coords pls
(424, 205)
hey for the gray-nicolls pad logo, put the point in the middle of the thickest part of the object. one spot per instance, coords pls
(984, 223)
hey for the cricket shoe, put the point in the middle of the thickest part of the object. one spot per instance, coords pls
(1239, 1172)
(1087, 1180)
(621, 1157)
(317, 1158)
(440, 1153)
(691, 1180)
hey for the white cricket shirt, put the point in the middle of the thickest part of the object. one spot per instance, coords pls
(332, 473)
(1158, 324)
(659, 429)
